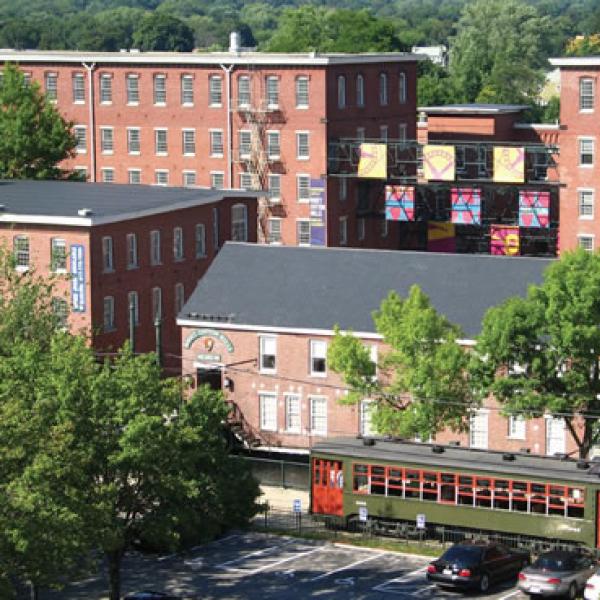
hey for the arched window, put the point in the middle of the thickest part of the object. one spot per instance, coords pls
(402, 88)
(383, 89)
(341, 91)
(239, 223)
(360, 90)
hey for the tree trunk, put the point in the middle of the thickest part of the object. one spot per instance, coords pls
(114, 574)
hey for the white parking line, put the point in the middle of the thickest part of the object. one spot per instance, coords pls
(416, 574)
(283, 560)
(225, 565)
(358, 562)
(511, 595)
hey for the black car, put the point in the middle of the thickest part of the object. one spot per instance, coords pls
(476, 565)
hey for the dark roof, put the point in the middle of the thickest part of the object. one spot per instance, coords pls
(63, 199)
(316, 288)
(401, 452)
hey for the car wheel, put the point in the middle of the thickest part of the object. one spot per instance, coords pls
(572, 592)
(484, 583)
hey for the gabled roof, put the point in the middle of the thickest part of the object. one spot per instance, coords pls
(281, 288)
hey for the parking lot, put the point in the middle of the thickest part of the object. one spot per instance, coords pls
(261, 566)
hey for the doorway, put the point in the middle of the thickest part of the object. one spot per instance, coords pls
(211, 376)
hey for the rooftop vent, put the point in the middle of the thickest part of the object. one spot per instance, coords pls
(437, 449)
(234, 42)
(368, 442)
(85, 212)
(508, 456)
(583, 464)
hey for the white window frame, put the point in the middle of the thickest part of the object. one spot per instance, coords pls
(161, 177)
(317, 352)
(178, 254)
(132, 91)
(51, 86)
(55, 244)
(186, 84)
(245, 97)
(200, 240)
(188, 146)
(588, 237)
(366, 426)
(343, 231)
(267, 406)
(271, 239)
(159, 143)
(517, 427)
(179, 298)
(80, 133)
(155, 248)
(108, 174)
(272, 91)
(215, 91)
(108, 314)
(157, 304)
(132, 144)
(479, 417)
(159, 89)
(360, 134)
(313, 399)
(187, 175)
(300, 224)
(341, 91)
(267, 342)
(137, 173)
(239, 223)
(383, 89)
(402, 95)
(274, 177)
(246, 181)
(105, 91)
(589, 151)
(587, 97)
(216, 149)
(273, 144)
(214, 175)
(361, 228)
(22, 253)
(108, 262)
(383, 133)
(245, 143)
(293, 412)
(402, 131)
(360, 90)
(583, 215)
(133, 298)
(548, 421)
(132, 251)
(78, 87)
(302, 145)
(107, 144)
(302, 95)
(303, 188)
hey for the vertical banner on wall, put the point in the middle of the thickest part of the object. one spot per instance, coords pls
(441, 237)
(317, 195)
(399, 203)
(466, 206)
(77, 278)
(439, 162)
(504, 240)
(509, 164)
(534, 208)
(373, 161)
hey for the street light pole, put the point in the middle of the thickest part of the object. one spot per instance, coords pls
(158, 337)
(132, 327)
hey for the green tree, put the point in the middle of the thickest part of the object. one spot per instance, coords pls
(434, 85)
(301, 30)
(540, 354)
(421, 386)
(161, 32)
(584, 45)
(34, 137)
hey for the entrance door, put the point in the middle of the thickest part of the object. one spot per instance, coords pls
(328, 487)
(213, 377)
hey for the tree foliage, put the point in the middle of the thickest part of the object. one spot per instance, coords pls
(162, 32)
(588, 45)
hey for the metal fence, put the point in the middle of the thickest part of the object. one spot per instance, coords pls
(279, 473)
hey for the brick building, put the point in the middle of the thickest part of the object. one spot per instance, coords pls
(114, 246)
(262, 335)
(233, 119)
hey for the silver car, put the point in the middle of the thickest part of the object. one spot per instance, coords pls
(558, 573)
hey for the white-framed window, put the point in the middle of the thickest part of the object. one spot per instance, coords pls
(293, 419)
(108, 175)
(132, 85)
(273, 144)
(109, 314)
(108, 264)
(216, 142)
(215, 227)
(402, 131)
(586, 94)
(177, 243)
(303, 232)
(402, 88)
(161, 143)
(215, 90)
(478, 430)
(366, 426)
(586, 152)
(187, 90)
(239, 223)
(341, 91)
(555, 436)
(134, 176)
(383, 89)
(157, 311)
(585, 242)
(78, 87)
(106, 140)
(383, 133)
(133, 301)
(516, 427)
(200, 239)
(303, 188)
(58, 255)
(51, 86)
(384, 227)
(161, 177)
(245, 143)
(274, 181)
(21, 252)
(246, 182)
(132, 251)
(244, 91)
(106, 88)
(155, 254)
(274, 230)
(343, 183)
(302, 145)
(272, 88)
(189, 178)
(217, 180)
(585, 202)
(302, 93)
(267, 354)
(361, 228)
(360, 90)
(133, 140)
(160, 89)
(188, 142)
(60, 309)
(268, 411)
(318, 415)
(360, 134)
(373, 355)
(318, 358)
(343, 231)
(80, 133)
(81, 172)
(179, 297)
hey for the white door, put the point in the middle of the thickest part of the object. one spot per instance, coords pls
(555, 435)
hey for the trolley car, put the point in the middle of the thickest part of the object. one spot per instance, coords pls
(537, 497)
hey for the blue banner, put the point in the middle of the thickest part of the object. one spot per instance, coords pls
(77, 278)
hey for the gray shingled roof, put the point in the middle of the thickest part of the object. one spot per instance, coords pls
(315, 288)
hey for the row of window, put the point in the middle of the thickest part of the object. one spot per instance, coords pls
(587, 93)
(468, 490)
(317, 417)
(22, 253)
(359, 90)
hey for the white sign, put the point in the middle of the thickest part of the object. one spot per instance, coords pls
(297, 506)
(420, 521)
(363, 513)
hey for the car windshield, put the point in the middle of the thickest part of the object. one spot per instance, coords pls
(554, 563)
(462, 554)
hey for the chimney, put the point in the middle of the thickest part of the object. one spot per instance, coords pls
(234, 42)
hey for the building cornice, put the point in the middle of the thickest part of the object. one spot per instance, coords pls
(576, 61)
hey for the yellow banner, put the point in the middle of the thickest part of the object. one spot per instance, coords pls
(373, 161)
(509, 164)
(438, 162)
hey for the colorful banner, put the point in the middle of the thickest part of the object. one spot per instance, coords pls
(509, 164)
(439, 162)
(317, 194)
(399, 203)
(534, 209)
(77, 278)
(466, 206)
(373, 161)
(441, 237)
(505, 240)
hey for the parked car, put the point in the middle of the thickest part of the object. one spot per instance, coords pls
(559, 573)
(592, 587)
(476, 565)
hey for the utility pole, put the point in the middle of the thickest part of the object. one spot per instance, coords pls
(158, 336)
(132, 327)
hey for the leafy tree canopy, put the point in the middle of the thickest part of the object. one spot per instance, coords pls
(584, 45)
(162, 32)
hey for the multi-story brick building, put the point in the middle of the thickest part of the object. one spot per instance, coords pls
(233, 119)
(117, 249)
(262, 335)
